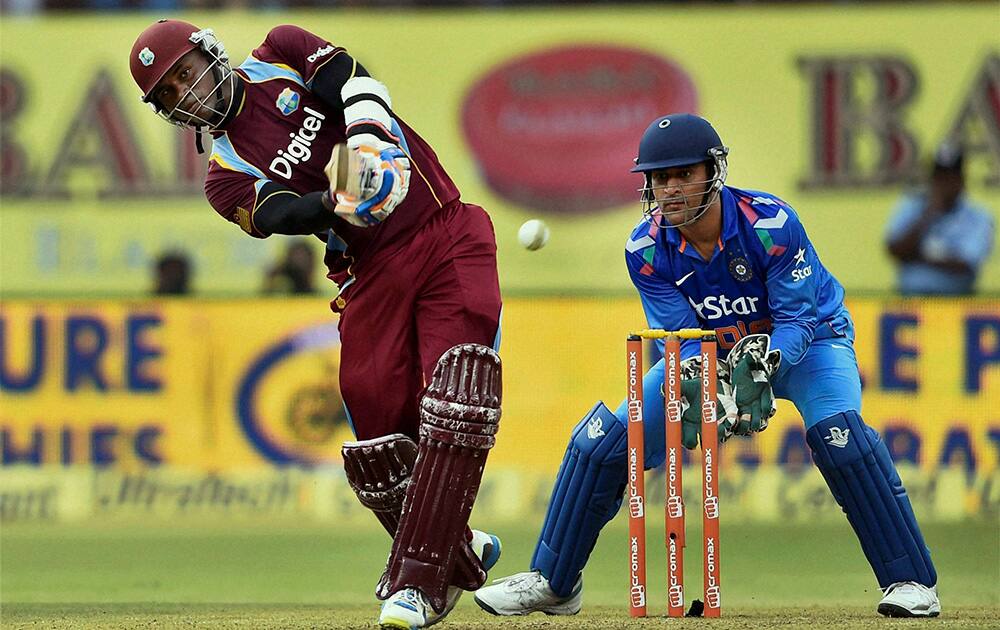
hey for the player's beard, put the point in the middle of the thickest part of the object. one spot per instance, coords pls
(691, 208)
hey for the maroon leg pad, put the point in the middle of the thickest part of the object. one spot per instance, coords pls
(378, 471)
(460, 414)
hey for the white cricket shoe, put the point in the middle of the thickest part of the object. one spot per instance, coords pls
(525, 593)
(910, 599)
(409, 609)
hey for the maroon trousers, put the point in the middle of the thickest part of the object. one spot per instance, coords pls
(409, 305)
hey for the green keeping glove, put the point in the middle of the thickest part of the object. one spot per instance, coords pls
(752, 365)
(691, 403)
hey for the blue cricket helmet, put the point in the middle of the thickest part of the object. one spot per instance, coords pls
(677, 140)
(681, 140)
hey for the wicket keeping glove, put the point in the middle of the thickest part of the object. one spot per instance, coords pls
(366, 184)
(725, 405)
(752, 364)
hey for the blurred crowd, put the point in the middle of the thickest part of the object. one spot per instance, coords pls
(293, 274)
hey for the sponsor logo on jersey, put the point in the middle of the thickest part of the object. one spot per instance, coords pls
(299, 150)
(799, 274)
(718, 306)
(288, 101)
(321, 52)
(685, 277)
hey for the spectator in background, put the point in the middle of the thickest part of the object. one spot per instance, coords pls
(295, 272)
(939, 239)
(173, 274)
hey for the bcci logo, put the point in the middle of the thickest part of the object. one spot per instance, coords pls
(288, 101)
(147, 57)
(739, 269)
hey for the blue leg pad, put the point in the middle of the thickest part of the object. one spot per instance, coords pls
(862, 476)
(587, 494)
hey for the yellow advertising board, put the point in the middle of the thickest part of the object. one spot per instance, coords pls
(535, 113)
(243, 384)
(201, 405)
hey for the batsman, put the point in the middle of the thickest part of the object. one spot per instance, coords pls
(711, 256)
(305, 141)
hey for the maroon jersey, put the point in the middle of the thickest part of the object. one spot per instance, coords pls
(283, 133)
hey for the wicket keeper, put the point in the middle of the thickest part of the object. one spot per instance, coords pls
(710, 256)
(305, 141)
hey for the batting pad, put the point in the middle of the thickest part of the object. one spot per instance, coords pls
(378, 471)
(460, 415)
(862, 476)
(587, 494)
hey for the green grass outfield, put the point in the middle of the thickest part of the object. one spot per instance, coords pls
(295, 575)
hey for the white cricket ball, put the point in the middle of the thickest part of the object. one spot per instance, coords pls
(534, 234)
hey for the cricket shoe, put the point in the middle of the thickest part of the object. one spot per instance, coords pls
(910, 599)
(525, 593)
(409, 609)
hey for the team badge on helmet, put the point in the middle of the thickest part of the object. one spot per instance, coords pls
(146, 57)
(739, 268)
(288, 101)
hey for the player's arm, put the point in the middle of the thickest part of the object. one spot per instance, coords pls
(262, 207)
(910, 239)
(791, 292)
(975, 246)
(907, 228)
(283, 211)
(343, 83)
(383, 167)
(339, 81)
(328, 80)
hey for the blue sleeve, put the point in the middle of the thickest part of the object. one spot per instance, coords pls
(663, 304)
(791, 292)
(977, 241)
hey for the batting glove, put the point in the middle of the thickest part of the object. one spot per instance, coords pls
(379, 181)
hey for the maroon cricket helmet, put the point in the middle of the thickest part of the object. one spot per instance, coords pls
(157, 49)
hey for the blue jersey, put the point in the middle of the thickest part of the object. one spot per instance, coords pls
(764, 276)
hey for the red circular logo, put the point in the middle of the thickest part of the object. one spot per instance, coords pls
(558, 130)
